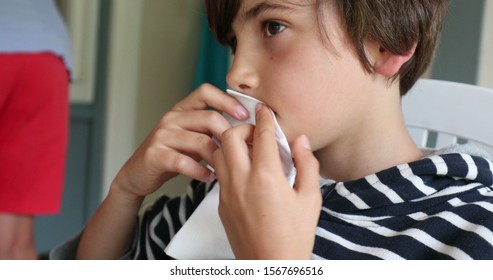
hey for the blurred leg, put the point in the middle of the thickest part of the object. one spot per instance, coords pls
(16, 237)
(33, 140)
(33, 133)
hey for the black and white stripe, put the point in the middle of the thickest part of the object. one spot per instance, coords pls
(440, 207)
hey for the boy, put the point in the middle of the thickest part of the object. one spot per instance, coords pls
(333, 73)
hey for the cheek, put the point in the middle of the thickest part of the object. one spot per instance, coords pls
(303, 117)
(320, 111)
(302, 75)
(300, 92)
(311, 93)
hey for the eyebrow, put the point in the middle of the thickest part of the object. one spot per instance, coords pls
(264, 7)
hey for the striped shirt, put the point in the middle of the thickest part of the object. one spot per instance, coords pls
(439, 207)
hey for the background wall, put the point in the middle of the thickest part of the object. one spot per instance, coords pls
(458, 53)
(170, 40)
(170, 37)
(151, 72)
(465, 50)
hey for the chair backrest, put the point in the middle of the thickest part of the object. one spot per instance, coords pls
(441, 113)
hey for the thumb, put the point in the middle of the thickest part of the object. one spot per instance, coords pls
(307, 166)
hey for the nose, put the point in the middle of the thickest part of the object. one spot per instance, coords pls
(243, 74)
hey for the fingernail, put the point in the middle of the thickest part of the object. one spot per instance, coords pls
(259, 106)
(305, 142)
(241, 112)
(211, 177)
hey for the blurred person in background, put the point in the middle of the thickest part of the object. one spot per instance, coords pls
(35, 64)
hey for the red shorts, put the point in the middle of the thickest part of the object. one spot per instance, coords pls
(34, 119)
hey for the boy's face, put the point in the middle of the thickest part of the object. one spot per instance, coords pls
(315, 86)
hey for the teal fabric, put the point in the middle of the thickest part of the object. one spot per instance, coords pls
(213, 59)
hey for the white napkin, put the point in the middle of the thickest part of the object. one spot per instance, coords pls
(203, 236)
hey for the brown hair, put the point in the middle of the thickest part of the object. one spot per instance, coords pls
(397, 25)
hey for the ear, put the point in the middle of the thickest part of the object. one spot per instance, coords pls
(386, 63)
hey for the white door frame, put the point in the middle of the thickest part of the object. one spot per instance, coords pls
(485, 73)
(123, 81)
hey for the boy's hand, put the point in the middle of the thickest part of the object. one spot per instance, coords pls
(263, 216)
(178, 143)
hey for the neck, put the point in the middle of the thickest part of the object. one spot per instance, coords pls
(379, 142)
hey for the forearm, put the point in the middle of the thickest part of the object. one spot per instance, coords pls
(110, 231)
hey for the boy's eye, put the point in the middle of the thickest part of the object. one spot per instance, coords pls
(272, 28)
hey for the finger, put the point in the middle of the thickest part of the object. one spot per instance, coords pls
(236, 148)
(307, 167)
(204, 121)
(265, 148)
(220, 166)
(171, 161)
(198, 145)
(209, 96)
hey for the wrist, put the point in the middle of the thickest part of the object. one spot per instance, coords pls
(122, 191)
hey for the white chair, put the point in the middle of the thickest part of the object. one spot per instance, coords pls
(441, 113)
